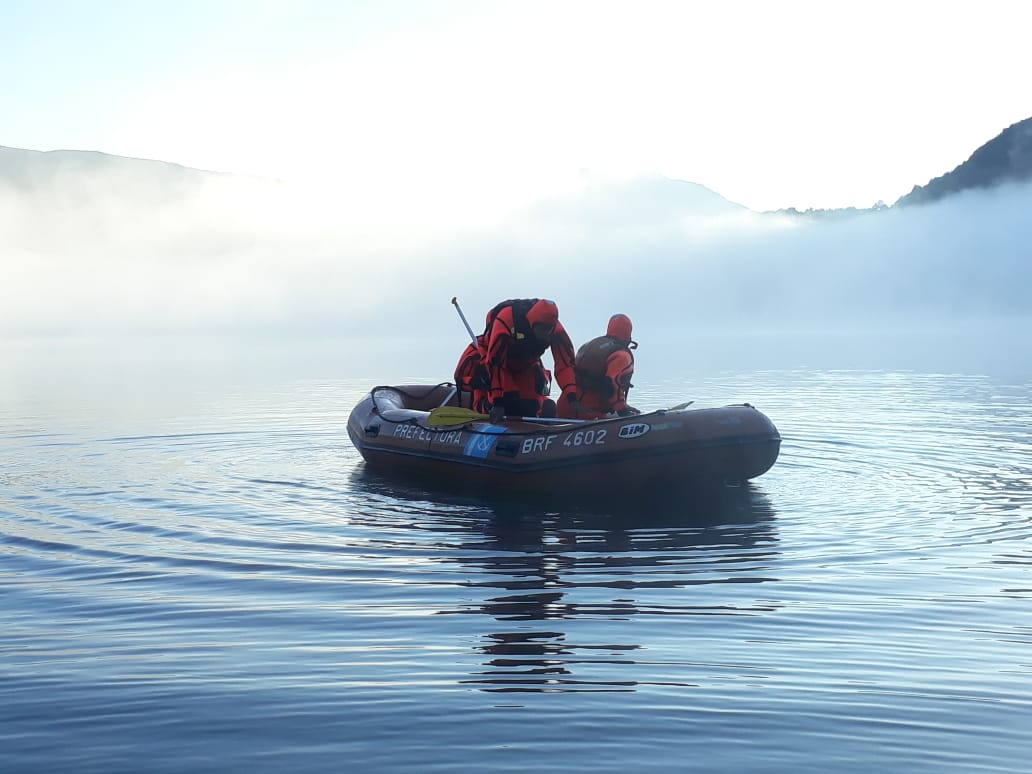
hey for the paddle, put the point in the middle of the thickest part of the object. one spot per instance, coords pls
(452, 415)
(444, 416)
(455, 415)
(455, 302)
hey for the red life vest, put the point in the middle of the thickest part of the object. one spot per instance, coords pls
(590, 363)
(525, 347)
(471, 373)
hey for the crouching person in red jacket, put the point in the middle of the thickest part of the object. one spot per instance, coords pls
(518, 333)
(603, 367)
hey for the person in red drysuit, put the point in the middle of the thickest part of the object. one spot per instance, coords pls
(471, 375)
(603, 367)
(518, 332)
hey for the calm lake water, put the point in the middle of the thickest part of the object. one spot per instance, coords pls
(209, 580)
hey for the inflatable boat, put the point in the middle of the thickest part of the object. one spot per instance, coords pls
(427, 433)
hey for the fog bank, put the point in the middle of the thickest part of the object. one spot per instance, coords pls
(232, 268)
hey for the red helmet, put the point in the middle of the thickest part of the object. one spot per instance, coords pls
(544, 312)
(619, 327)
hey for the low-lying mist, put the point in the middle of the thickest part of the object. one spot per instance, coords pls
(230, 270)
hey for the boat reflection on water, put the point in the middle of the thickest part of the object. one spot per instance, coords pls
(571, 582)
(578, 594)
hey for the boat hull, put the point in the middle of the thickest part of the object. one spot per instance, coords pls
(653, 453)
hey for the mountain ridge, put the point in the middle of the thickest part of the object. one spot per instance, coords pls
(26, 168)
(1007, 158)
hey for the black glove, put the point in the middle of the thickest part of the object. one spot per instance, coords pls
(576, 408)
(497, 414)
(628, 411)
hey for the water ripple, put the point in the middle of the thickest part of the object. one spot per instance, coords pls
(239, 569)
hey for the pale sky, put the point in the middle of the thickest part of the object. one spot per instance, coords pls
(770, 104)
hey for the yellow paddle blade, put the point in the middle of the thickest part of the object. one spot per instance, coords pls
(452, 415)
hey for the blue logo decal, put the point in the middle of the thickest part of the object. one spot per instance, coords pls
(481, 443)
